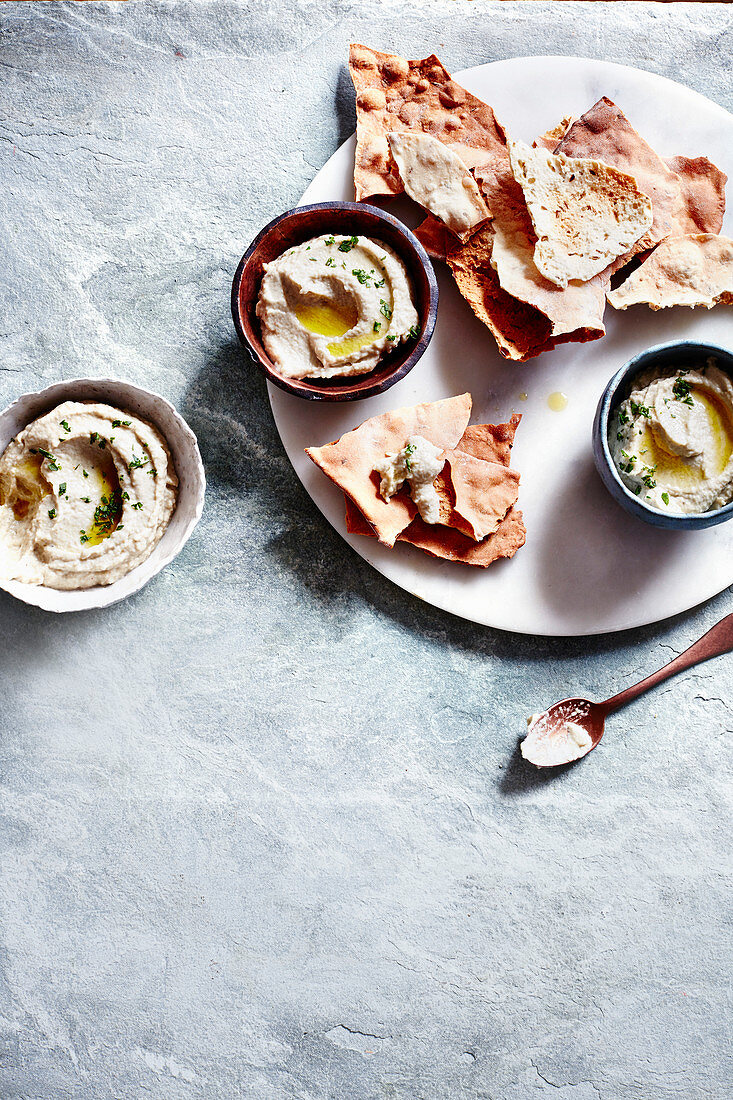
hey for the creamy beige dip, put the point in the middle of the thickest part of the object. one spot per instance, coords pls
(334, 306)
(566, 742)
(86, 492)
(672, 439)
(418, 463)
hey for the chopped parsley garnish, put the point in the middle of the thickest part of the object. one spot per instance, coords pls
(330, 262)
(639, 410)
(52, 513)
(665, 498)
(107, 513)
(62, 488)
(649, 481)
(86, 500)
(153, 472)
(409, 450)
(628, 466)
(384, 309)
(379, 284)
(637, 489)
(52, 463)
(414, 332)
(93, 437)
(681, 391)
(136, 463)
(125, 496)
(361, 275)
(623, 416)
(138, 505)
(346, 246)
(83, 536)
(391, 339)
(65, 425)
(120, 423)
(331, 239)
(85, 473)
(377, 326)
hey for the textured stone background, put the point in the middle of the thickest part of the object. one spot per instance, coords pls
(241, 856)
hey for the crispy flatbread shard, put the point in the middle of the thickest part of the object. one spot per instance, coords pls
(604, 133)
(351, 461)
(681, 271)
(435, 238)
(482, 493)
(550, 138)
(436, 178)
(394, 94)
(573, 313)
(521, 332)
(493, 443)
(703, 196)
(447, 543)
(584, 213)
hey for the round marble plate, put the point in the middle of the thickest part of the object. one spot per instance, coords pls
(587, 567)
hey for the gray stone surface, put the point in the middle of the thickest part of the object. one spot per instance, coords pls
(240, 857)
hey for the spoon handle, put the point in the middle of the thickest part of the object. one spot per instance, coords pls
(718, 640)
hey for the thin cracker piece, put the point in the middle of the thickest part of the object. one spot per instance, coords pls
(451, 545)
(394, 94)
(551, 137)
(482, 493)
(493, 443)
(681, 271)
(604, 133)
(435, 238)
(574, 313)
(584, 213)
(436, 178)
(351, 461)
(703, 196)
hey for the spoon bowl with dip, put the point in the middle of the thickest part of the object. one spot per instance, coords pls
(571, 728)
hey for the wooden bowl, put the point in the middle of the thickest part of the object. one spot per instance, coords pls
(300, 225)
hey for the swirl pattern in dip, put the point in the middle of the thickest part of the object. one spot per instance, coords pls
(333, 306)
(672, 439)
(86, 493)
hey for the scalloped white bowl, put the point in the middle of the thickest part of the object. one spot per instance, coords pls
(186, 459)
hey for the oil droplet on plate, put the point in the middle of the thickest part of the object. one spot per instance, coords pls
(523, 396)
(557, 401)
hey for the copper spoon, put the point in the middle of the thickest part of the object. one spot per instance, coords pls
(570, 729)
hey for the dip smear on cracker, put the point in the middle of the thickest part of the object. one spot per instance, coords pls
(475, 520)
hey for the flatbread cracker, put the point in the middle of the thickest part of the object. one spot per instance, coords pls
(493, 443)
(436, 178)
(681, 271)
(351, 461)
(394, 94)
(550, 138)
(577, 309)
(703, 196)
(604, 133)
(482, 493)
(584, 213)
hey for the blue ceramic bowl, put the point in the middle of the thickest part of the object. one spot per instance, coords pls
(681, 353)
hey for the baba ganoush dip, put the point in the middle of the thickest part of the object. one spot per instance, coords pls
(418, 463)
(86, 492)
(672, 438)
(334, 306)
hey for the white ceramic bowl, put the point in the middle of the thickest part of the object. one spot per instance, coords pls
(186, 459)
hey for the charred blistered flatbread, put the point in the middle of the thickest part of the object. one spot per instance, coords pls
(394, 94)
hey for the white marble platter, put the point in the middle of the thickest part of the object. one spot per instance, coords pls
(587, 567)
